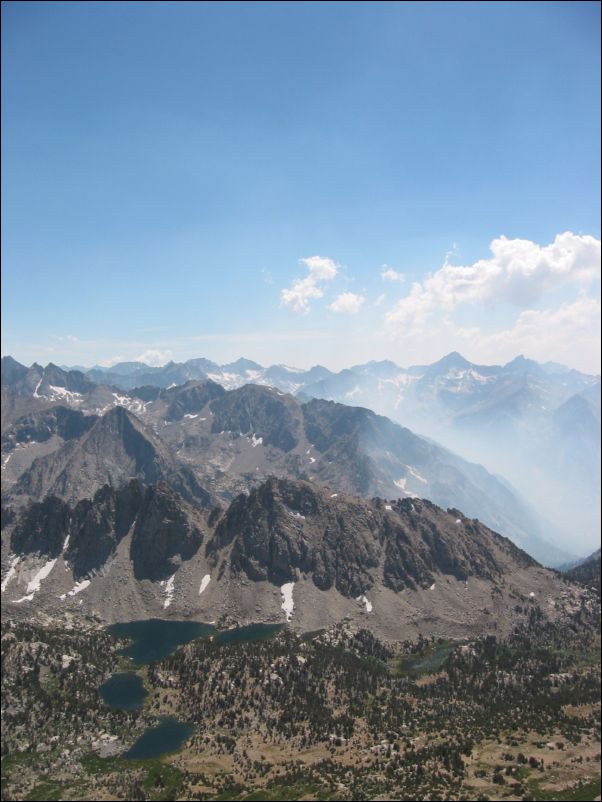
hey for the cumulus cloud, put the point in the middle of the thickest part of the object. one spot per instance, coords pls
(321, 267)
(348, 303)
(570, 332)
(303, 290)
(518, 272)
(300, 294)
(388, 274)
(154, 358)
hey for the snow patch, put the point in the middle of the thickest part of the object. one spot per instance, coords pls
(288, 604)
(417, 475)
(168, 587)
(333, 495)
(204, 582)
(388, 507)
(401, 484)
(78, 587)
(10, 573)
(67, 395)
(256, 441)
(294, 513)
(227, 380)
(365, 601)
(191, 416)
(35, 583)
(29, 597)
(432, 587)
(458, 520)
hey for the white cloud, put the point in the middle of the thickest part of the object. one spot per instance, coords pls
(306, 289)
(380, 299)
(569, 333)
(348, 303)
(300, 294)
(154, 358)
(519, 272)
(388, 274)
(321, 267)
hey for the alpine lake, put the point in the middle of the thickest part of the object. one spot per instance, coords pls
(152, 640)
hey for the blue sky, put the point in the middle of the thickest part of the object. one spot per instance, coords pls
(167, 166)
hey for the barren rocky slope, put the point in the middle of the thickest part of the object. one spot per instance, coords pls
(287, 551)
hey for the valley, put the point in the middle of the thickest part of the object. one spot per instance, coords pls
(328, 715)
(232, 592)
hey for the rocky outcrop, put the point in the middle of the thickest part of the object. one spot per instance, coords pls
(261, 411)
(190, 398)
(66, 423)
(116, 448)
(42, 528)
(168, 531)
(287, 551)
(98, 526)
(285, 529)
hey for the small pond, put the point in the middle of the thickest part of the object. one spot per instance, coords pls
(124, 691)
(167, 736)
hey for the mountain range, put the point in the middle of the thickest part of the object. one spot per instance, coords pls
(288, 550)
(204, 439)
(536, 424)
(248, 503)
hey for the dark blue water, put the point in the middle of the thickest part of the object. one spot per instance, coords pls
(152, 640)
(155, 639)
(167, 736)
(124, 691)
(253, 632)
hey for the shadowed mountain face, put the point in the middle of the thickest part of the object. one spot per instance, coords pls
(165, 530)
(65, 423)
(42, 528)
(288, 550)
(283, 529)
(258, 410)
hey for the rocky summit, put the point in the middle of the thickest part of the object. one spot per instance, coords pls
(288, 550)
